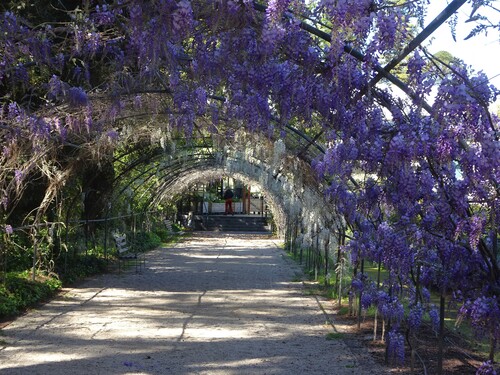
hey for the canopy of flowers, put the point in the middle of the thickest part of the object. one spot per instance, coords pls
(402, 143)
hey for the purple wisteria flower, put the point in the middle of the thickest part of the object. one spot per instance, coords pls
(13, 110)
(275, 9)
(18, 175)
(56, 87)
(392, 309)
(183, 17)
(113, 135)
(484, 314)
(396, 347)
(486, 368)
(366, 300)
(103, 15)
(137, 102)
(77, 97)
(415, 316)
(357, 284)
(434, 317)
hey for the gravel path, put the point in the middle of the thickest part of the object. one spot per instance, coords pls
(212, 304)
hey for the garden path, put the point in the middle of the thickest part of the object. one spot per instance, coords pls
(211, 304)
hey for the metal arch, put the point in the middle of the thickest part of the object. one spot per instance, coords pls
(175, 166)
(382, 72)
(277, 205)
(175, 175)
(295, 138)
(169, 180)
(153, 153)
(418, 40)
(171, 171)
(183, 176)
(174, 170)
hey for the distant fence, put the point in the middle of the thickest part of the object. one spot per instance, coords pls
(245, 206)
(73, 237)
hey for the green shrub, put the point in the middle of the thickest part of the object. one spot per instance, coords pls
(20, 292)
(8, 303)
(177, 227)
(144, 241)
(81, 266)
(18, 257)
(163, 234)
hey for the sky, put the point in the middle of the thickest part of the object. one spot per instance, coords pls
(481, 52)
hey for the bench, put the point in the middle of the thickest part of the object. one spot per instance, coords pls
(170, 229)
(125, 254)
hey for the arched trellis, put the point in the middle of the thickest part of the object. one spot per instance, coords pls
(303, 142)
(178, 55)
(294, 194)
(303, 146)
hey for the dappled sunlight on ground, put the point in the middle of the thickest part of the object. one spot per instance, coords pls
(205, 306)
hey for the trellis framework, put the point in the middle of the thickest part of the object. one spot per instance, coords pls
(415, 184)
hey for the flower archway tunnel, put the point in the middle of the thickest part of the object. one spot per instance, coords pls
(363, 141)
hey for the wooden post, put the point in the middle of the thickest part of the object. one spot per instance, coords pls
(33, 236)
(327, 281)
(318, 256)
(362, 270)
(375, 321)
(441, 333)
(106, 233)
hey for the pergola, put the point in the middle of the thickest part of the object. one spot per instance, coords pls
(128, 102)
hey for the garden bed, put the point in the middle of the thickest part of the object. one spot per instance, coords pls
(460, 357)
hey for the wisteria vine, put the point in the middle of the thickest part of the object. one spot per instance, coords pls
(417, 183)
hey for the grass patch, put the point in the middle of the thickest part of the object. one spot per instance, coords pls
(334, 336)
(371, 270)
(344, 310)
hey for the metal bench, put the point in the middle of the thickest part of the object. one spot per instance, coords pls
(125, 254)
(170, 229)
